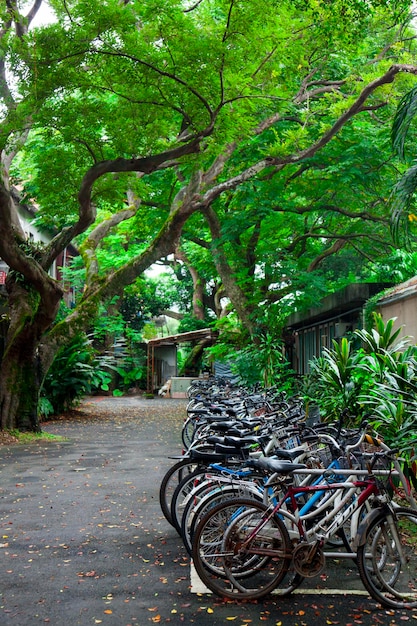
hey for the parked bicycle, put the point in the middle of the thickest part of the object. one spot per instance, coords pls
(245, 549)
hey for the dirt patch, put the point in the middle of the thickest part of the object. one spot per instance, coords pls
(6, 439)
(72, 414)
(99, 408)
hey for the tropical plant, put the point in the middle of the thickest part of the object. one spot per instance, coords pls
(76, 371)
(263, 363)
(377, 381)
(382, 339)
(69, 378)
(402, 199)
(333, 382)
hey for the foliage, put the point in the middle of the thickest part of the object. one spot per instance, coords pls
(45, 408)
(233, 337)
(189, 323)
(335, 382)
(78, 371)
(69, 378)
(377, 381)
(130, 364)
(402, 200)
(263, 363)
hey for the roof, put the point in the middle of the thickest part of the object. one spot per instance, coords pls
(347, 300)
(400, 292)
(194, 335)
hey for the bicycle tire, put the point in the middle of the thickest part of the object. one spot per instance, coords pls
(188, 431)
(172, 478)
(392, 584)
(205, 499)
(182, 494)
(222, 569)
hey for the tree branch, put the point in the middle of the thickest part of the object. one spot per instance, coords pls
(90, 245)
(355, 108)
(334, 249)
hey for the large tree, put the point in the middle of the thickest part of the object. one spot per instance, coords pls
(148, 113)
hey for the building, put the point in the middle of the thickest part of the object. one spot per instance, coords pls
(400, 302)
(162, 360)
(26, 214)
(338, 315)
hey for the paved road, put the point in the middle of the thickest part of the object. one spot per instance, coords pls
(83, 540)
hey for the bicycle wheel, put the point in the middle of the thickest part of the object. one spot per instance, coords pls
(169, 483)
(188, 431)
(182, 495)
(387, 561)
(206, 497)
(223, 565)
(262, 555)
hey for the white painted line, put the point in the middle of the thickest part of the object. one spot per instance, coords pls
(197, 586)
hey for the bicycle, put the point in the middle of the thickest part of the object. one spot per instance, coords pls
(245, 549)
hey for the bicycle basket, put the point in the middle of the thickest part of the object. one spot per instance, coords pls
(321, 453)
(287, 438)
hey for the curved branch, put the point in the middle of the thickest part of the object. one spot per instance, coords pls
(193, 7)
(87, 212)
(90, 245)
(150, 66)
(355, 108)
(313, 207)
(11, 235)
(338, 245)
(31, 14)
(198, 283)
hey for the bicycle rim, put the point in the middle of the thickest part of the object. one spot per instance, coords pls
(387, 562)
(223, 569)
(195, 511)
(257, 551)
(169, 483)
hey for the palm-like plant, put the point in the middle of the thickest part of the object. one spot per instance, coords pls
(402, 199)
(332, 378)
(378, 381)
(392, 367)
(382, 338)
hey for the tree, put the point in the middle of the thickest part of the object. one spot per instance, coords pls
(403, 201)
(148, 113)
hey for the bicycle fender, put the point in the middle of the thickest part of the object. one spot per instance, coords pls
(361, 535)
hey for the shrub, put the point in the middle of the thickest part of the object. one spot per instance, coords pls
(377, 381)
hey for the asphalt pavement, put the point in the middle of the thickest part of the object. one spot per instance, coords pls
(83, 540)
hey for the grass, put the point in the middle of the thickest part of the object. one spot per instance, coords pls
(28, 437)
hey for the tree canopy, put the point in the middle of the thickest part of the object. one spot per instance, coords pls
(249, 139)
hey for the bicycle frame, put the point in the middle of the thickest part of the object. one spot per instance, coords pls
(360, 490)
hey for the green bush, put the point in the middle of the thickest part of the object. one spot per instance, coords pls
(69, 378)
(263, 363)
(377, 381)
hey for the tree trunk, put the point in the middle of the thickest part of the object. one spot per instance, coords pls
(233, 291)
(19, 390)
(23, 364)
(192, 363)
(198, 284)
